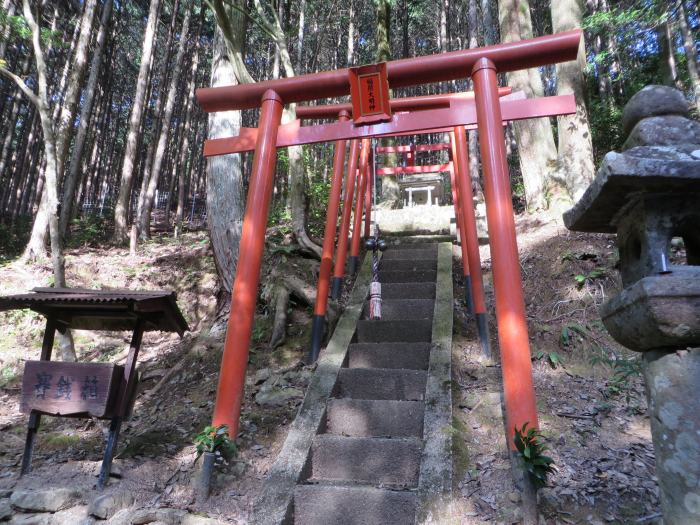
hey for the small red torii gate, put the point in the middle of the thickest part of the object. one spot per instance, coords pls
(487, 113)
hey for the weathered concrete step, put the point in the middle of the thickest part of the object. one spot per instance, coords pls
(408, 276)
(393, 462)
(412, 331)
(406, 265)
(409, 254)
(408, 291)
(374, 418)
(413, 356)
(325, 505)
(414, 246)
(398, 309)
(381, 383)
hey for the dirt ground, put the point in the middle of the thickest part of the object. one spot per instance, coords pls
(592, 414)
(590, 397)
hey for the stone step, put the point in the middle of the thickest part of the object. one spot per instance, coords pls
(381, 383)
(374, 418)
(407, 276)
(413, 331)
(409, 254)
(413, 356)
(408, 291)
(414, 246)
(326, 505)
(398, 309)
(390, 462)
(406, 265)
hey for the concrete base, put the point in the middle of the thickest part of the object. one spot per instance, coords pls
(672, 380)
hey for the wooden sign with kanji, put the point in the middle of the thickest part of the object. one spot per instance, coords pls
(71, 389)
(369, 89)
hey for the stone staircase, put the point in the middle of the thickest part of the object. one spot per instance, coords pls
(366, 459)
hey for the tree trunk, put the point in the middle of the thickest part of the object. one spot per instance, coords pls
(297, 196)
(90, 90)
(300, 35)
(145, 218)
(474, 135)
(536, 149)
(667, 57)
(575, 163)
(121, 210)
(224, 180)
(350, 55)
(691, 55)
(183, 165)
(390, 187)
(51, 173)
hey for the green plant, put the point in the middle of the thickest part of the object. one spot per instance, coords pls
(591, 276)
(623, 368)
(215, 439)
(530, 446)
(552, 358)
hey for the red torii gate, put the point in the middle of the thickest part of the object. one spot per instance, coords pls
(488, 115)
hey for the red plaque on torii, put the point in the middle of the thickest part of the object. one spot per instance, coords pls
(369, 89)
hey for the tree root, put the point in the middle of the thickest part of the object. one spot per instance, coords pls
(286, 283)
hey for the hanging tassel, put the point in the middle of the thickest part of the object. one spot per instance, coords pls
(375, 301)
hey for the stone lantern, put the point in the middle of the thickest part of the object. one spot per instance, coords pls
(649, 195)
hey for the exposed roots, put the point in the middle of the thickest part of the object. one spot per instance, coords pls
(289, 280)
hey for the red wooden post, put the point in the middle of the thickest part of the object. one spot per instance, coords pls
(341, 255)
(368, 196)
(459, 223)
(324, 274)
(510, 307)
(234, 362)
(359, 204)
(466, 194)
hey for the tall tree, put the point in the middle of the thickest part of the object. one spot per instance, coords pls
(297, 178)
(575, 166)
(144, 219)
(66, 111)
(121, 210)
(225, 195)
(40, 100)
(390, 187)
(691, 54)
(72, 175)
(536, 149)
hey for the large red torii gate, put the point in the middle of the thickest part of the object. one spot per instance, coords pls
(482, 64)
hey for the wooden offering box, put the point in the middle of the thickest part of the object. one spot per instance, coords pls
(101, 390)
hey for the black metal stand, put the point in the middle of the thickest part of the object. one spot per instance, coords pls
(482, 325)
(32, 428)
(354, 263)
(336, 288)
(468, 299)
(317, 332)
(115, 426)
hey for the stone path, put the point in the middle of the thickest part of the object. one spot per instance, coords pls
(367, 459)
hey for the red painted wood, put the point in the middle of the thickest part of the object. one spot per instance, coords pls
(516, 365)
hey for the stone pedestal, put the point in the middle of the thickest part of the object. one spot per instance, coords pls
(672, 380)
(650, 196)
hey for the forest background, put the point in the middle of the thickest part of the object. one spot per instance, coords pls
(101, 137)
